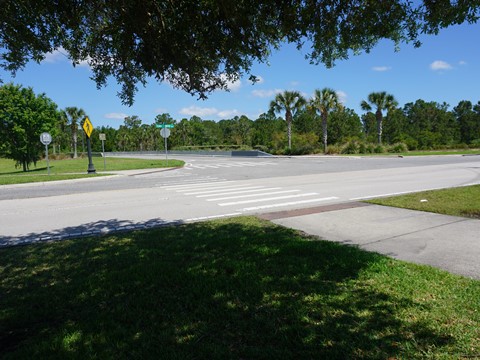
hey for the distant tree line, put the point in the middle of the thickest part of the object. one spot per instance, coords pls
(291, 125)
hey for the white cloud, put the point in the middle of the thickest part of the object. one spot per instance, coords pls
(84, 63)
(262, 93)
(226, 114)
(462, 62)
(235, 85)
(55, 56)
(161, 110)
(259, 80)
(381, 68)
(198, 111)
(440, 65)
(60, 55)
(342, 96)
(117, 116)
(209, 111)
(294, 83)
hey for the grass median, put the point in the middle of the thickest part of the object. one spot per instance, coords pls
(66, 169)
(460, 201)
(239, 288)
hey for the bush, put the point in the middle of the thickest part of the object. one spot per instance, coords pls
(412, 144)
(398, 148)
(352, 147)
(379, 149)
(333, 149)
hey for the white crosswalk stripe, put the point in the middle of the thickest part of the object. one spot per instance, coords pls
(252, 195)
(220, 192)
(266, 199)
(228, 165)
(291, 203)
(187, 180)
(243, 191)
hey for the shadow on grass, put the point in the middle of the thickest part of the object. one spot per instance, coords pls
(101, 227)
(29, 172)
(231, 289)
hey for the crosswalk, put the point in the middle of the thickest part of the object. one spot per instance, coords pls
(238, 164)
(247, 197)
(186, 179)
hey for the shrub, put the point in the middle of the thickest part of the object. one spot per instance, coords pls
(398, 148)
(334, 149)
(412, 144)
(352, 147)
(379, 149)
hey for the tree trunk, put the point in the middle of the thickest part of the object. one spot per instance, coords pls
(75, 145)
(288, 117)
(379, 126)
(324, 131)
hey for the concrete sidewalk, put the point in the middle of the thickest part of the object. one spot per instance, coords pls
(447, 242)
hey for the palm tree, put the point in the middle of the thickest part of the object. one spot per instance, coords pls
(382, 101)
(324, 101)
(73, 115)
(291, 102)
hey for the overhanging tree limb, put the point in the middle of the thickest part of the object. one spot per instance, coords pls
(198, 46)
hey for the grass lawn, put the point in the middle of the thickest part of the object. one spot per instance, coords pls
(442, 152)
(73, 168)
(238, 288)
(461, 201)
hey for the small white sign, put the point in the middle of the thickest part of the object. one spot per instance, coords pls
(165, 132)
(45, 138)
(102, 137)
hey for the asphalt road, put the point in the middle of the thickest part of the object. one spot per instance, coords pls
(211, 187)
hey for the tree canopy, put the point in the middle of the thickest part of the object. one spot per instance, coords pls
(23, 117)
(200, 46)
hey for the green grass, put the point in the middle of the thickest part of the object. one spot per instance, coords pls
(461, 201)
(442, 152)
(74, 168)
(238, 289)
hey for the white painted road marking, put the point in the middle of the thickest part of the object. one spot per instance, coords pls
(266, 199)
(260, 188)
(288, 204)
(251, 195)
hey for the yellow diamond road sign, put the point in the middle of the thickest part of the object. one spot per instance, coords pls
(87, 127)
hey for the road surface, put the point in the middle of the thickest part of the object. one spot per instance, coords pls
(214, 187)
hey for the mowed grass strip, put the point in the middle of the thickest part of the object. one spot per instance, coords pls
(460, 201)
(238, 288)
(66, 169)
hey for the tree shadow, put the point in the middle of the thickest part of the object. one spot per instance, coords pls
(235, 290)
(29, 171)
(101, 227)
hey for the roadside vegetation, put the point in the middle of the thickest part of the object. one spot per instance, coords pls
(236, 288)
(460, 201)
(65, 169)
(292, 125)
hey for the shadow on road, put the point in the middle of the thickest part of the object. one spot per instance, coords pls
(101, 227)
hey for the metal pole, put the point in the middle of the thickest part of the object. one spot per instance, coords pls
(46, 156)
(91, 168)
(166, 153)
(103, 152)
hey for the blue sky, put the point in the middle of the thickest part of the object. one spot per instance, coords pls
(445, 69)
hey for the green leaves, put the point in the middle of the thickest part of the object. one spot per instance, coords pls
(198, 46)
(23, 117)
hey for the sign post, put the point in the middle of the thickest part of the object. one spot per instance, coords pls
(165, 133)
(103, 137)
(88, 128)
(46, 139)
